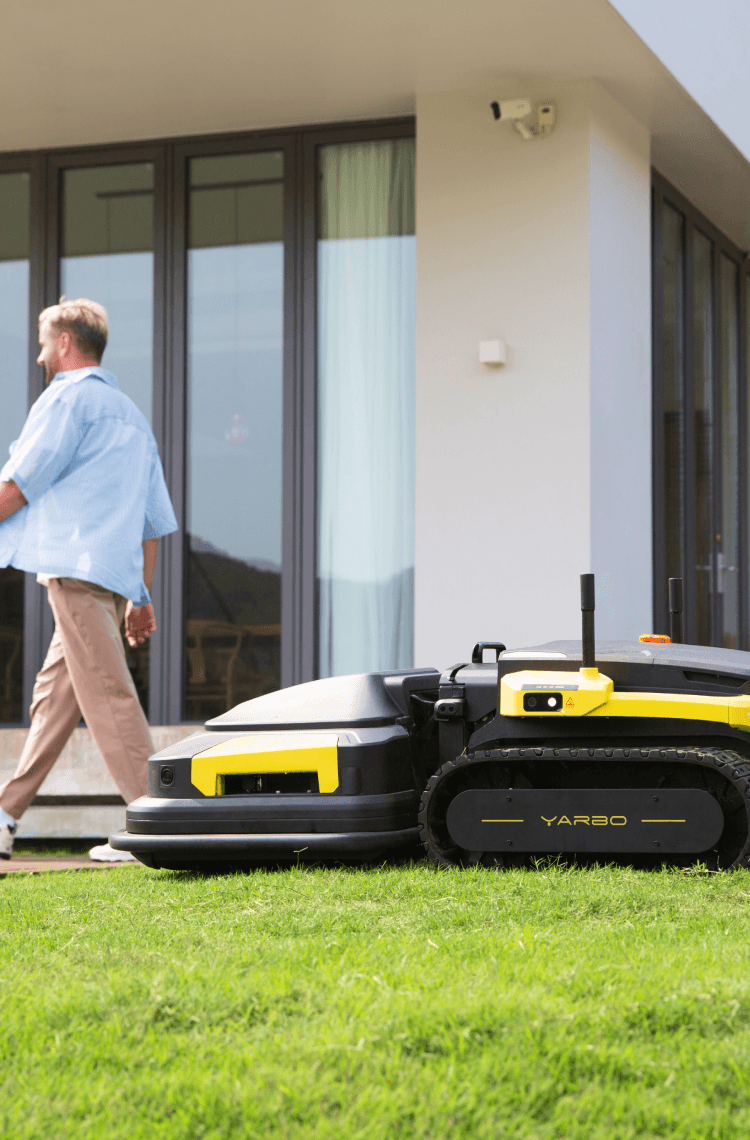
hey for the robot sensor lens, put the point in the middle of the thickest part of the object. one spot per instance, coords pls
(167, 775)
(542, 702)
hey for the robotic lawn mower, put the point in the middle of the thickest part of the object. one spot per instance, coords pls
(628, 751)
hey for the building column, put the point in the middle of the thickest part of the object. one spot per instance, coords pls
(535, 471)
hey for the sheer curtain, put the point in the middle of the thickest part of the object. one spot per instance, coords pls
(366, 332)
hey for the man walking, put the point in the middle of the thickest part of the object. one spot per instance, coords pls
(83, 504)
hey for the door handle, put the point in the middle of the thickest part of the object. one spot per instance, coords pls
(721, 572)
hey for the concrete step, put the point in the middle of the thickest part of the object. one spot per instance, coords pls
(79, 798)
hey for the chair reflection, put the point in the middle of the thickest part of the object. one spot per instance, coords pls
(11, 681)
(222, 664)
(138, 659)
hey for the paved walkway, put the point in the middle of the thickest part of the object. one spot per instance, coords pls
(33, 865)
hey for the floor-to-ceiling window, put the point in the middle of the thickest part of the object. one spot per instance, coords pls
(14, 333)
(260, 291)
(700, 436)
(107, 254)
(235, 330)
(366, 401)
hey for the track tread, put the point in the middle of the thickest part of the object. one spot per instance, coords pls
(735, 768)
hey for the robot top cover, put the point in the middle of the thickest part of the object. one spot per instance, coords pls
(635, 751)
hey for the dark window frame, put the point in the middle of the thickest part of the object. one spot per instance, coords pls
(299, 556)
(663, 193)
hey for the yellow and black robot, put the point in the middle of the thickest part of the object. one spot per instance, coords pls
(631, 751)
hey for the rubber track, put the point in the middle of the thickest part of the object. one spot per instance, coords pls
(732, 766)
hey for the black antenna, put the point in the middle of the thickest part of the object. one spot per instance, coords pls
(587, 619)
(675, 611)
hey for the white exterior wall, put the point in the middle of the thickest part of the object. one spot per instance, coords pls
(506, 462)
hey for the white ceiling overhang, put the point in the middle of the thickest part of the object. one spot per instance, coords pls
(87, 72)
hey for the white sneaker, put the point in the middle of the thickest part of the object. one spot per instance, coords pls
(6, 840)
(106, 854)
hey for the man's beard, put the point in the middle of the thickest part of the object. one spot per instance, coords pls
(51, 370)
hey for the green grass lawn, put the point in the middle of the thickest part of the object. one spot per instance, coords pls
(53, 848)
(396, 1002)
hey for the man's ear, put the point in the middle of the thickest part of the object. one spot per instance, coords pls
(63, 344)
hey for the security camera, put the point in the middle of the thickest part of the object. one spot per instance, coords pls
(528, 121)
(511, 109)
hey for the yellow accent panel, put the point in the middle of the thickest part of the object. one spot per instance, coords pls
(268, 752)
(739, 712)
(675, 706)
(594, 696)
(592, 689)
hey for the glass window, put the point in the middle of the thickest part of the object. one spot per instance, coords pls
(727, 538)
(674, 412)
(235, 372)
(107, 256)
(743, 571)
(366, 406)
(698, 277)
(14, 330)
(352, 403)
(703, 405)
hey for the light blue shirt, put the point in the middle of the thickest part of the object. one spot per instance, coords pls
(88, 465)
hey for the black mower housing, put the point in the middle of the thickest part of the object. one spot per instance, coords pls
(394, 731)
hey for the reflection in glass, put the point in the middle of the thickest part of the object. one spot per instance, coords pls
(703, 398)
(235, 342)
(14, 333)
(727, 568)
(107, 247)
(746, 569)
(108, 243)
(366, 406)
(674, 407)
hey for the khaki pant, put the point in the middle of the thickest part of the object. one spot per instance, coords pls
(84, 673)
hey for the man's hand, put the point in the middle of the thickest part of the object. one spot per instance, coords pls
(11, 500)
(140, 623)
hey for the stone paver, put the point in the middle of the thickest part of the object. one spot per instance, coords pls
(34, 865)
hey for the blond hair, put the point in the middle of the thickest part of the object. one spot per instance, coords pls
(86, 321)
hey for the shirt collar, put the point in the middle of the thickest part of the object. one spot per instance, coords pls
(82, 373)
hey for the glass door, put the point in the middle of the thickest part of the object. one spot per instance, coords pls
(14, 330)
(235, 309)
(728, 529)
(716, 445)
(261, 295)
(673, 399)
(700, 453)
(107, 255)
(703, 437)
